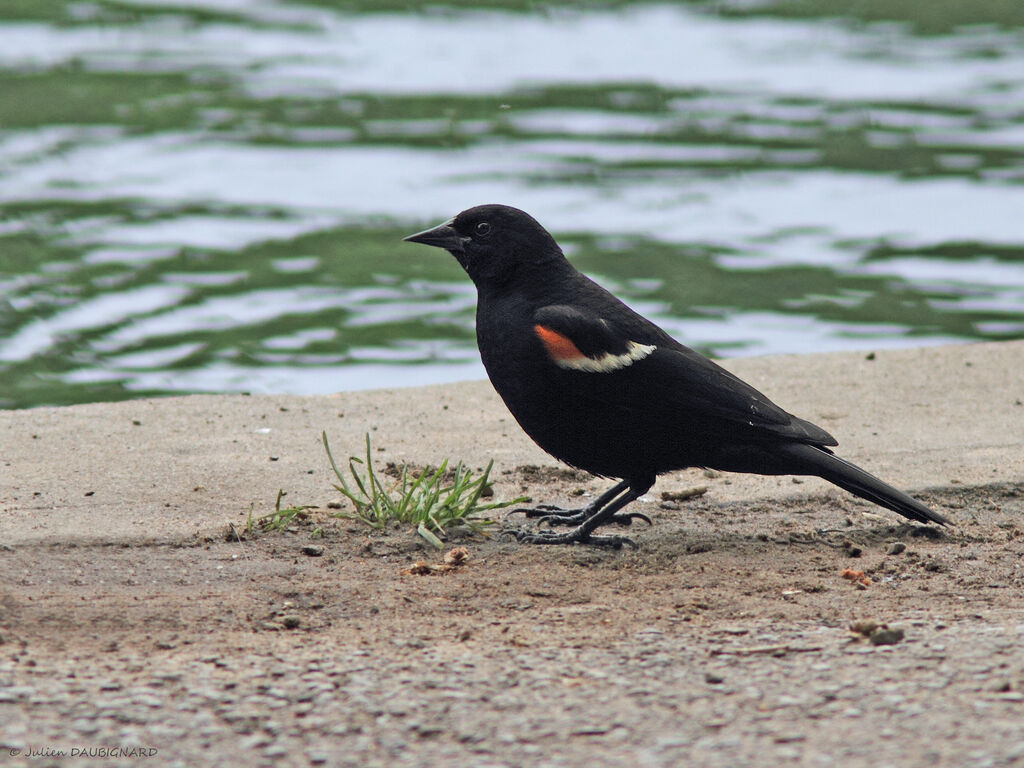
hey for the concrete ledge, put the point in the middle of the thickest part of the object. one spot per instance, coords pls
(166, 469)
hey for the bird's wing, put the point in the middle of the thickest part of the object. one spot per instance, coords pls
(643, 367)
(575, 339)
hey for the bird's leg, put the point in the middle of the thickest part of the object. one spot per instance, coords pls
(614, 500)
(551, 515)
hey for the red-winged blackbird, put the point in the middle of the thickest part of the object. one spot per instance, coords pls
(605, 390)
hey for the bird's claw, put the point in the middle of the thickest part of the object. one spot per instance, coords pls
(625, 520)
(567, 517)
(542, 510)
(575, 536)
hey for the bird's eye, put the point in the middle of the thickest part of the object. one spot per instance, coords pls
(483, 229)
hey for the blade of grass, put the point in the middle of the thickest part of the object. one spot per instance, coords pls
(428, 535)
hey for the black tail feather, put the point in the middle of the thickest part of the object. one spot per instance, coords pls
(852, 478)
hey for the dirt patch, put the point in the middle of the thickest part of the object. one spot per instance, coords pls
(723, 638)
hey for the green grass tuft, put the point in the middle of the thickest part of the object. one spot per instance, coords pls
(428, 501)
(277, 520)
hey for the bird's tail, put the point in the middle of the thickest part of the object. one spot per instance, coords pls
(852, 478)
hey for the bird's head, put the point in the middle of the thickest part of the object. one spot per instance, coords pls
(493, 242)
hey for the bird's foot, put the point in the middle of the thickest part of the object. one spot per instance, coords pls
(548, 510)
(577, 535)
(556, 516)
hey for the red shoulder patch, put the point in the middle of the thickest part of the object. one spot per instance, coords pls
(559, 347)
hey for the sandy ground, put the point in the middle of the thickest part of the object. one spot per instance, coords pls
(140, 623)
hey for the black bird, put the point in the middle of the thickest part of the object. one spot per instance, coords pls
(603, 389)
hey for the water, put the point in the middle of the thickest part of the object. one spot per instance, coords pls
(209, 196)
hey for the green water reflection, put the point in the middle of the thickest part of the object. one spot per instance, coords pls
(173, 218)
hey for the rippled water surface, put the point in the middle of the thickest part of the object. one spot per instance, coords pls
(209, 195)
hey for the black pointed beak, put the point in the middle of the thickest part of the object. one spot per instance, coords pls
(442, 236)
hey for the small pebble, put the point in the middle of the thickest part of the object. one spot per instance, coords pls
(456, 556)
(291, 621)
(896, 548)
(864, 627)
(886, 636)
(312, 550)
